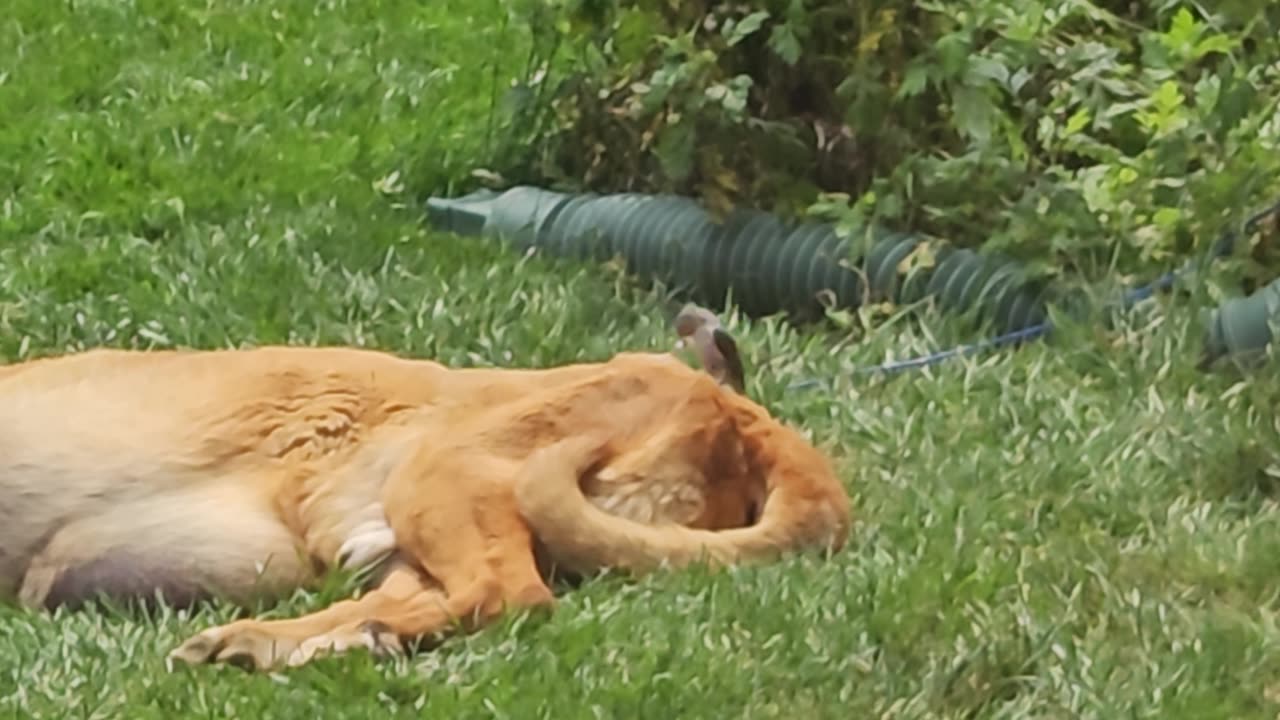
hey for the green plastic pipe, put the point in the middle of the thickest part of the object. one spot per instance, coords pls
(768, 264)
(1242, 327)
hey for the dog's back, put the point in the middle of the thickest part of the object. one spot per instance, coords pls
(142, 468)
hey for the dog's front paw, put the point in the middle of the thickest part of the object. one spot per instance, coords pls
(256, 645)
(247, 644)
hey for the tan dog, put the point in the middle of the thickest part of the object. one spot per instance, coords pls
(246, 474)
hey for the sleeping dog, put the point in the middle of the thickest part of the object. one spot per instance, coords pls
(246, 474)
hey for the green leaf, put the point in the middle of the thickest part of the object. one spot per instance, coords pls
(785, 44)
(989, 69)
(1166, 217)
(1207, 91)
(1217, 43)
(1077, 122)
(633, 34)
(737, 32)
(675, 150)
(914, 81)
(974, 113)
(953, 52)
(735, 99)
(1183, 31)
(1019, 79)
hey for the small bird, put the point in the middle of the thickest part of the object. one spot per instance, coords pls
(715, 346)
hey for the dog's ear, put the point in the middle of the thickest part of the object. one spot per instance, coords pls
(734, 374)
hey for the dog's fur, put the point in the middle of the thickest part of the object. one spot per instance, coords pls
(245, 474)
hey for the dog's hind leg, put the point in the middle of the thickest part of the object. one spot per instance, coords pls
(464, 556)
(183, 546)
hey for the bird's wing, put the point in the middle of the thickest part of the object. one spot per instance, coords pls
(734, 372)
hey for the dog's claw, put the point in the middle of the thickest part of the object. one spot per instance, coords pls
(241, 659)
(367, 545)
(373, 636)
(194, 651)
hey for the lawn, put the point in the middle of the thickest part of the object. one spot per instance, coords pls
(1086, 528)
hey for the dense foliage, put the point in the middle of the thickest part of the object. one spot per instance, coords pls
(1070, 133)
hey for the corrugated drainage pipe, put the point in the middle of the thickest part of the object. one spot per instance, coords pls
(768, 264)
(1242, 327)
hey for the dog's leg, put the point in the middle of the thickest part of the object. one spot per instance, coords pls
(263, 645)
(486, 568)
(464, 555)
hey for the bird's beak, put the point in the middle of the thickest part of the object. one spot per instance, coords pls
(680, 344)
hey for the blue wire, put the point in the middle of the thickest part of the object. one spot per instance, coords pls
(1222, 248)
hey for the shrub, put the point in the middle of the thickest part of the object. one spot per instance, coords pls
(1066, 133)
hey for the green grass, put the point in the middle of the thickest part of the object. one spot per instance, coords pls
(1082, 529)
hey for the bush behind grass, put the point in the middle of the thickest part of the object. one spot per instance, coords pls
(1080, 529)
(1083, 137)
